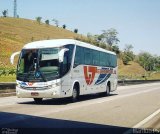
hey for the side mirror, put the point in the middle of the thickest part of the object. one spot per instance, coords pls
(61, 54)
(12, 57)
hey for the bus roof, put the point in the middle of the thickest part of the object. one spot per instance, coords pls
(60, 43)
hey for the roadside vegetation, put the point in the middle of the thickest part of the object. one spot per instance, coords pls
(15, 32)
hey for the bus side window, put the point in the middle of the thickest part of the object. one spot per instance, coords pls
(88, 60)
(79, 56)
(65, 64)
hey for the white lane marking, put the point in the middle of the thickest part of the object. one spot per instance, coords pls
(74, 106)
(147, 119)
(141, 123)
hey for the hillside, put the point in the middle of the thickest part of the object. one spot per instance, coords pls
(14, 33)
(131, 71)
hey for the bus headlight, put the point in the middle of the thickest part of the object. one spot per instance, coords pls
(55, 92)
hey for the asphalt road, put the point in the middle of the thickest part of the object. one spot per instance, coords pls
(129, 107)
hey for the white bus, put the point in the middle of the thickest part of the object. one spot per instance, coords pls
(64, 68)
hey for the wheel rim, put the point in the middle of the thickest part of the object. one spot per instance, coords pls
(74, 94)
(107, 90)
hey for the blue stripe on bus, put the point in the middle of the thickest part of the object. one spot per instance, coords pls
(102, 78)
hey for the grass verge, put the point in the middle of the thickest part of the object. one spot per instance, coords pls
(9, 78)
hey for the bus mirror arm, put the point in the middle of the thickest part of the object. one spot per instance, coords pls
(12, 57)
(61, 54)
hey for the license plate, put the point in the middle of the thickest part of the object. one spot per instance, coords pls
(34, 94)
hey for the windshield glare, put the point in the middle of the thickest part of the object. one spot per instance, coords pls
(48, 60)
(43, 60)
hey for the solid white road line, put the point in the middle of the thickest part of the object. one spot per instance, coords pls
(147, 119)
(141, 123)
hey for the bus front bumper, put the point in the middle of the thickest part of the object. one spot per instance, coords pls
(46, 93)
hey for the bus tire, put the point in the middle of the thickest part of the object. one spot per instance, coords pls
(75, 94)
(38, 100)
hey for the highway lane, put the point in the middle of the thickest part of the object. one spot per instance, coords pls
(124, 108)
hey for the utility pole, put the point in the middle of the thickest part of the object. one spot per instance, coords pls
(15, 9)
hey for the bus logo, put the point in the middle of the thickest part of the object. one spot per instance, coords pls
(104, 74)
(30, 84)
(89, 73)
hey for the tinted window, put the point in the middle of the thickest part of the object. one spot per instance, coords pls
(79, 56)
(93, 57)
(88, 58)
(102, 59)
(65, 66)
(70, 52)
(114, 61)
(96, 58)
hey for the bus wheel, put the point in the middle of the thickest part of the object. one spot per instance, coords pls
(38, 100)
(75, 94)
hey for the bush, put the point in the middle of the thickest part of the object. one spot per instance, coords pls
(126, 59)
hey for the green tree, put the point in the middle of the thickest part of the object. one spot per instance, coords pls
(147, 61)
(109, 36)
(100, 40)
(38, 19)
(115, 49)
(64, 26)
(157, 65)
(126, 58)
(76, 30)
(47, 22)
(103, 45)
(5, 12)
(128, 54)
(128, 47)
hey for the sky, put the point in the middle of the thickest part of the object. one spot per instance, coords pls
(137, 21)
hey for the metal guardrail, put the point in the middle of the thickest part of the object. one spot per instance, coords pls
(12, 85)
(7, 85)
(133, 82)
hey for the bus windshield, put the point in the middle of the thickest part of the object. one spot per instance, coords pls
(38, 64)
